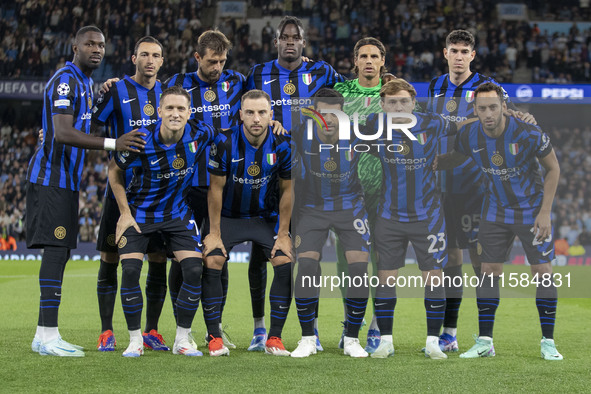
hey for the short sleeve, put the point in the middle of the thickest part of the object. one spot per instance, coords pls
(103, 108)
(218, 155)
(63, 93)
(542, 144)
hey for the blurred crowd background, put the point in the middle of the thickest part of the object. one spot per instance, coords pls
(36, 37)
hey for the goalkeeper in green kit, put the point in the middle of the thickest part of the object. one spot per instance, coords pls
(362, 96)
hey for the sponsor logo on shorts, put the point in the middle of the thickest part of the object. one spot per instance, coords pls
(60, 232)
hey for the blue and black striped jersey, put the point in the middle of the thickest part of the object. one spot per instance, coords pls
(456, 104)
(217, 105)
(515, 183)
(68, 92)
(291, 90)
(252, 175)
(409, 189)
(330, 180)
(162, 173)
(125, 107)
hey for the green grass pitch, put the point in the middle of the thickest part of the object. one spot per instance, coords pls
(517, 366)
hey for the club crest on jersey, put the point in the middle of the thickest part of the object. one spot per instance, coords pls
(209, 95)
(330, 165)
(193, 146)
(271, 158)
(178, 163)
(496, 159)
(289, 88)
(225, 86)
(307, 79)
(148, 109)
(89, 101)
(422, 138)
(253, 170)
(469, 96)
(60, 232)
(405, 150)
(349, 155)
(513, 148)
(451, 105)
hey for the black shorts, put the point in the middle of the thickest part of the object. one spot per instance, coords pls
(52, 217)
(108, 226)
(179, 234)
(427, 237)
(260, 231)
(462, 217)
(496, 240)
(350, 225)
(197, 200)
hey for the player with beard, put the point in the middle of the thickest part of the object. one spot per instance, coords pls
(130, 104)
(290, 81)
(518, 202)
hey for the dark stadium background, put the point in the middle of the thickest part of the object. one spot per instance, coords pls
(528, 44)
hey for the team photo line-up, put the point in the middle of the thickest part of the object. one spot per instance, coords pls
(210, 159)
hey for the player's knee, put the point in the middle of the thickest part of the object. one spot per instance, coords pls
(215, 262)
(307, 266)
(131, 270)
(494, 269)
(474, 257)
(433, 278)
(310, 255)
(386, 277)
(110, 257)
(56, 254)
(280, 260)
(356, 256)
(454, 257)
(545, 268)
(192, 269)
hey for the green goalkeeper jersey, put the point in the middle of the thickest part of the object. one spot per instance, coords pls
(365, 101)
